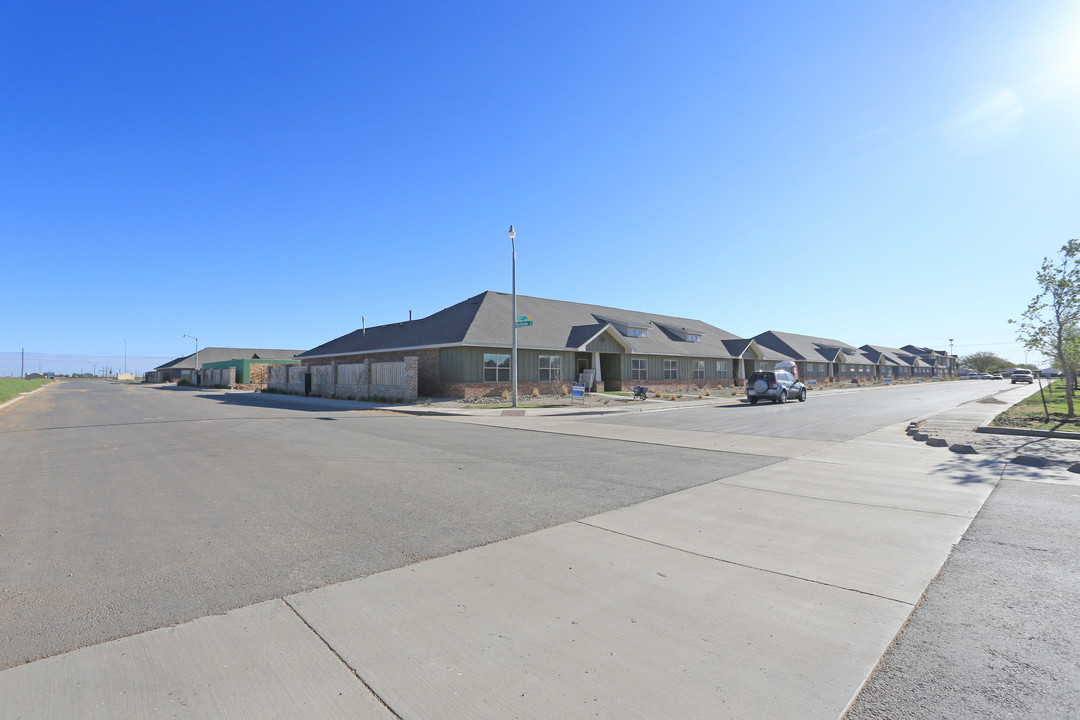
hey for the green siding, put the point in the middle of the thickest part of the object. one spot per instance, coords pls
(243, 367)
(466, 364)
(605, 344)
(529, 364)
(655, 364)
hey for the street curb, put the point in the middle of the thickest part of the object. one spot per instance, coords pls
(21, 396)
(993, 430)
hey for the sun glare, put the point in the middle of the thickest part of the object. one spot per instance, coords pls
(984, 121)
(1059, 48)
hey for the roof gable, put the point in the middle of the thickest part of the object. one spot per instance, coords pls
(222, 354)
(485, 321)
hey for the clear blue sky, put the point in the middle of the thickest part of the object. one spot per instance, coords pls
(263, 174)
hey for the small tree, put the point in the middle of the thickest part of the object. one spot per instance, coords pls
(1050, 323)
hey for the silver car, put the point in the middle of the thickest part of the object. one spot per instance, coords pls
(778, 386)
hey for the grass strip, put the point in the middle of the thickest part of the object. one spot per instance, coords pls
(12, 387)
(1029, 414)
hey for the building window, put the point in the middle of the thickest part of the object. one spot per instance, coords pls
(639, 369)
(636, 332)
(671, 369)
(697, 369)
(496, 368)
(693, 337)
(721, 369)
(550, 368)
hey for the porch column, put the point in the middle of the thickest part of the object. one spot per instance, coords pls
(596, 367)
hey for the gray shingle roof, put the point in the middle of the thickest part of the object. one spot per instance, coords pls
(219, 354)
(893, 356)
(812, 349)
(916, 350)
(484, 321)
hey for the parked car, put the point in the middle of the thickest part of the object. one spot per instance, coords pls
(996, 376)
(778, 386)
(1020, 375)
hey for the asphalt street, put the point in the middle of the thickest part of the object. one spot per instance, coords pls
(995, 637)
(826, 415)
(126, 508)
(735, 569)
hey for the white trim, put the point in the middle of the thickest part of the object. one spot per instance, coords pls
(616, 334)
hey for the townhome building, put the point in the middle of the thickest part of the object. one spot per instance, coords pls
(464, 350)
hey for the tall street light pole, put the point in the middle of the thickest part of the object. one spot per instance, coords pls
(125, 355)
(513, 355)
(196, 357)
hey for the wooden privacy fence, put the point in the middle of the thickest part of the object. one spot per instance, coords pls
(359, 381)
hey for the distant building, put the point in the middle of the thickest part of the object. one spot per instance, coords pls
(183, 368)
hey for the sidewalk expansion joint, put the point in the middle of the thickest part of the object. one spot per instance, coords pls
(342, 661)
(749, 567)
(639, 441)
(836, 500)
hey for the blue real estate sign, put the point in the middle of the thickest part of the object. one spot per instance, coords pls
(579, 391)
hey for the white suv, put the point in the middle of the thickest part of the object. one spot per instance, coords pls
(1019, 375)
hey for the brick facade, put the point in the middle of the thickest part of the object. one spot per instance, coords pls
(472, 391)
(427, 366)
(669, 385)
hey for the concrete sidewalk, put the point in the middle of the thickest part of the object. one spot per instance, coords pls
(765, 595)
(967, 425)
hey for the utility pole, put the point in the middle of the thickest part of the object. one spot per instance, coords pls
(22, 366)
(513, 313)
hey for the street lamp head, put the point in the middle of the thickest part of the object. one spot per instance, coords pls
(511, 233)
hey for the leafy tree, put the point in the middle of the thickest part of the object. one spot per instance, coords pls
(985, 362)
(1050, 323)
